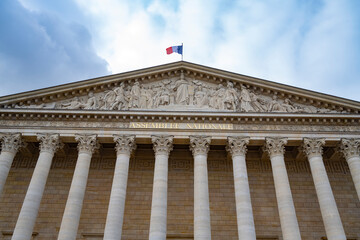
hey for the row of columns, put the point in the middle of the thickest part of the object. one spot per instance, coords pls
(199, 145)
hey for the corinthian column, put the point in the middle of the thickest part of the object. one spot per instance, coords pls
(114, 221)
(70, 221)
(289, 224)
(351, 150)
(329, 212)
(245, 220)
(49, 143)
(199, 145)
(10, 144)
(162, 147)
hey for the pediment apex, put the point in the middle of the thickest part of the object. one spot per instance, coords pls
(181, 86)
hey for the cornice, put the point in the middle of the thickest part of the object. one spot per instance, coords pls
(180, 116)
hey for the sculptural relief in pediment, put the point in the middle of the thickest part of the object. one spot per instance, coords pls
(182, 94)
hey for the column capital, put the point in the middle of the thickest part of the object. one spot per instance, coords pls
(313, 146)
(200, 144)
(49, 142)
(11, 142)
(87, 143)
(125, 144)
(162, 144)
(237, 145)
(350, 147)
(275, 146)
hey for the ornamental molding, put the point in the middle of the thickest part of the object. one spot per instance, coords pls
(11, 142)
(200, 145)
(275, 146)
(87, 143)
(313, 146)
(162, 145)
(350, 147)
(49, 142)
(180, 86)
(165, 116)
(237, 145)
(125, 144)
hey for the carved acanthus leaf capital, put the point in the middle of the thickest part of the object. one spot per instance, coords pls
(237, 145)
(162, 144)
(11, 142)
(350, 147)
(125, 144)
(200, 144)
(87, 143)
(49, 142)
(313, 146)
(275, 146)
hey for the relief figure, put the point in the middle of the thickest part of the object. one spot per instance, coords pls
(91, 103)
(231, 99)
(134, 95)
(182, 92)
(245, 104)
(120, 100)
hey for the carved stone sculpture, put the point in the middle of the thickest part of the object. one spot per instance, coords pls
(231, 99)
(245, 105)
(134, 95)
(74, 104)
(91, 103)
(182, 93)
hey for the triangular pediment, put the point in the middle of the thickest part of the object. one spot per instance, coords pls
(180, 86)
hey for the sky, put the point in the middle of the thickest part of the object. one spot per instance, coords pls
(311, 44)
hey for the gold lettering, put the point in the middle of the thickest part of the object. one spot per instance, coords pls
(207, 126)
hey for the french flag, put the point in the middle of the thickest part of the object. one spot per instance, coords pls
(175, 49)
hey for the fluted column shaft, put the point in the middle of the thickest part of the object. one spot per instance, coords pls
(245, 218)
(351, 151)
(114, 220)
(289, 224)
(162, 148)
(49, 143)
(329, 212)
(70, 221)
(202, 228)
(10, 145)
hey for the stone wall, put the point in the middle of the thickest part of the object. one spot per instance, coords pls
(180, 195)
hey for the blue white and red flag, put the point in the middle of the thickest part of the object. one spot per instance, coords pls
(175, 49)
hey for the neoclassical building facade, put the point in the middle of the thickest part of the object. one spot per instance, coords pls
(179, 151)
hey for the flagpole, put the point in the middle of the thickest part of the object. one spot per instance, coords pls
(182, 52)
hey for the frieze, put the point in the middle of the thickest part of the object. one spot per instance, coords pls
(181, 93)
(116, 125)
